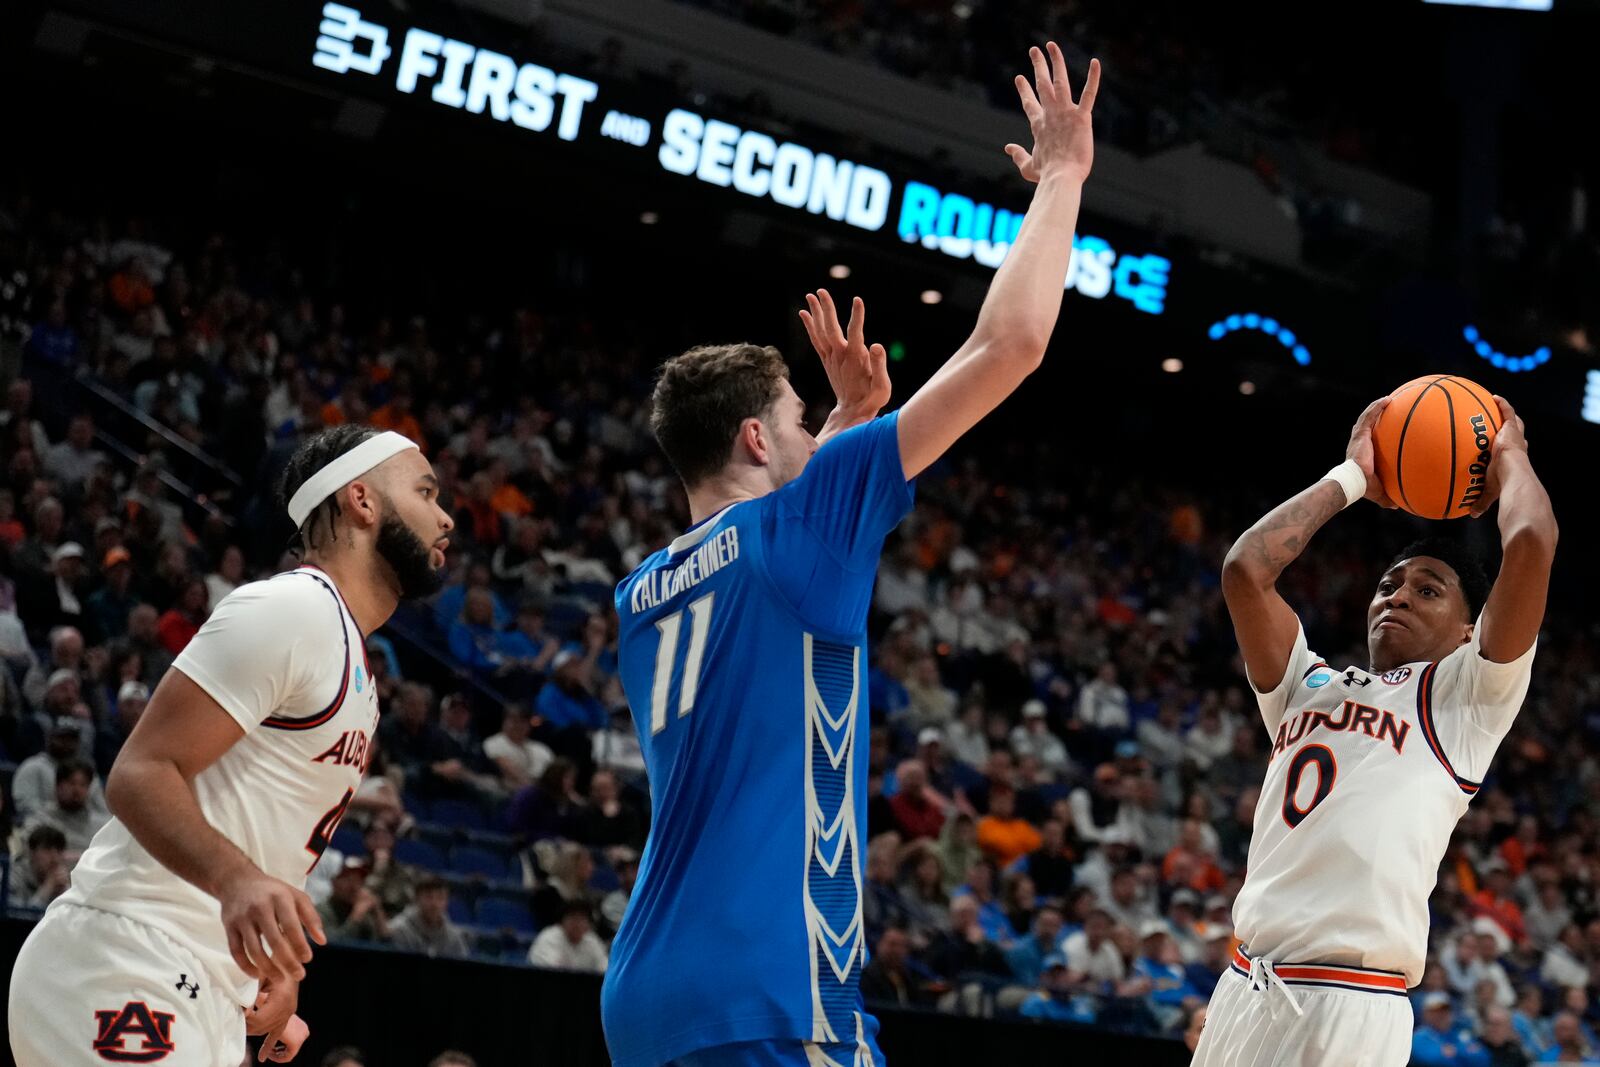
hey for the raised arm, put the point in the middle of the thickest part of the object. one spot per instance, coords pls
(1515, 608)
(1017, 317)
(1264, 622)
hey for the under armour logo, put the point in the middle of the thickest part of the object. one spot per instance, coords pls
(1351, 679)
(184, 984)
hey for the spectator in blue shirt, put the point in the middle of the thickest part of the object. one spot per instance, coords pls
(1027, 956)
(565, 701)
(1216, 949)
(1171, 996)
(447, 609)
(1057, 998)
(474, 641)
(991, 916)
(1570, 1044)
(1439, 1043)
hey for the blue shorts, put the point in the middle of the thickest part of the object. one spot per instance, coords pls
(783, 1052)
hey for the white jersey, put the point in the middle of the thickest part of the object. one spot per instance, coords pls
(284, 658)
(1369, 775)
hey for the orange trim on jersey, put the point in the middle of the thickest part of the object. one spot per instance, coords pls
(279, 723)
(1329, 975)
(1425, 717)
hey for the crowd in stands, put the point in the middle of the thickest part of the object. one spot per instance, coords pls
(1064, 758)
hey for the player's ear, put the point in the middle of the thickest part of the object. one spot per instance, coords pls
(361, 503)
(1466, 633)
(755, 441)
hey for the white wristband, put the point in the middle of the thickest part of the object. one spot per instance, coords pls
(1351, 479)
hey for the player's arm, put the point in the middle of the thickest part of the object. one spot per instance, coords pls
(1019, 314)
(151, 789)
(1265, 623)
(1515, 608)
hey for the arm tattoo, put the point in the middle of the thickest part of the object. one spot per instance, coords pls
(1281, 535)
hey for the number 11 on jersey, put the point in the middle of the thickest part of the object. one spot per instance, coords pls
(667, 656)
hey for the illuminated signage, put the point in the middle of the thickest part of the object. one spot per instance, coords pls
(466, 77)
(1271, 327)
(1591, 397)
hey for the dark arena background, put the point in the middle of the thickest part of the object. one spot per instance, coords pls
(484, 223)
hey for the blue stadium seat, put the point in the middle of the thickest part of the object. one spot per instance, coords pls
(462, 814)
(419, 854)
(501, 913)
(604, 879)
(437, 834)
(348, 839)
(460, 911)
(470, 860)
(417, 806)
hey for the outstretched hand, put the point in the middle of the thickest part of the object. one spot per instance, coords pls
(858, 372)
(1063, 133)
(1363, 452)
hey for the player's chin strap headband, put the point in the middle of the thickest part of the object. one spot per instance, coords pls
(344, 470)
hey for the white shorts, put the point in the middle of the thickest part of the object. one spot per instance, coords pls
(91, 988)
(1349, 1017)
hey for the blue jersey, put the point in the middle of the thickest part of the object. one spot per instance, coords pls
(743, 654)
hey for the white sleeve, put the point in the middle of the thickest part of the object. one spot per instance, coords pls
(1473, 701)
(272, 648)
(1275, 703)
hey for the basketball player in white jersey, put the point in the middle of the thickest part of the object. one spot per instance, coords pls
(1370, 768)
(185, 926)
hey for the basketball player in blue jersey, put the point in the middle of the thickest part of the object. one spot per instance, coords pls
(743, 650)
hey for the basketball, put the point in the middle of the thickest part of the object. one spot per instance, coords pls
(1432, 445)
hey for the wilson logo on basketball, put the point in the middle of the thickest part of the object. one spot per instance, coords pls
(134, 1034)
(1398, 675)
(1479, 466)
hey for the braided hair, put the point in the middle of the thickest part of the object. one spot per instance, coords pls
(314, 453)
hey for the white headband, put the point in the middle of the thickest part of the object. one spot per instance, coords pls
(344, 470)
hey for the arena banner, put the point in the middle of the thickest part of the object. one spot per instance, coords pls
(677, 138)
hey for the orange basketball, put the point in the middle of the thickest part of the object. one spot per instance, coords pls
(1432, 444)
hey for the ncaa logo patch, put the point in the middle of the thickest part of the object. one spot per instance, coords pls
(1396, 676)
(1318, 680)
(360, 678)
(135, 1034)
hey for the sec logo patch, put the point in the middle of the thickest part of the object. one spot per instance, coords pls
(1398, 675)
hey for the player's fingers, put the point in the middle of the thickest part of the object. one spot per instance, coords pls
(856, 329)
(269, 1044)
(1091, 86)
(811, 329)
(1058, 70)
(236, 947)
(1041, 75)
(1030, 101)
(1020, 157)
(293, 931)
(309, 919)
(830, 317)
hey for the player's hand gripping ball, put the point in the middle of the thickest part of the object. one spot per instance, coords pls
(1433, 444)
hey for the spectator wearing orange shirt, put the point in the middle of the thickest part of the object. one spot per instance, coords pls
(349, 406)
(396, 415)
(479, 518)
(182, 621)
(1003, 837)
(1523, 847)
(1190, 863)
(506, 497)
(1495, 901)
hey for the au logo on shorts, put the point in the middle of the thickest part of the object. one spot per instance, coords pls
(134, 1034)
